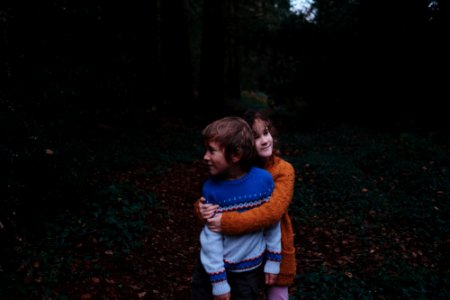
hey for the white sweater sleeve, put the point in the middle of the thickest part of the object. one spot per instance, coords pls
(211, 256)
(272, 236)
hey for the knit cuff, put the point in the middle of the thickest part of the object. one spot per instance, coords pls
(220, 288)
(272, 267)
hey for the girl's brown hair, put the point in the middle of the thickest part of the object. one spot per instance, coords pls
(250, 116)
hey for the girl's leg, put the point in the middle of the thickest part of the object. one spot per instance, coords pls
(277, 293)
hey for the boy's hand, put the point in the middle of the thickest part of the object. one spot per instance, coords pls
(226, 296)
(207, 211)
(270, 279)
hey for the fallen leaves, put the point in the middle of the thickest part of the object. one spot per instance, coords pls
(162, 267)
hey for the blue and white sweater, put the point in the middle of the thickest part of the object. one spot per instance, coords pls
(221, 253)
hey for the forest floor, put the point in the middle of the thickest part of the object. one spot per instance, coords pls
(162, 267)
(370, 213)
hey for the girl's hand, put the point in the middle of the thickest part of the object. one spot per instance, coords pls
(270, 279)
(215, 223)
(207, 211)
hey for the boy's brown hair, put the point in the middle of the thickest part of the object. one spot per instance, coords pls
(235, 136)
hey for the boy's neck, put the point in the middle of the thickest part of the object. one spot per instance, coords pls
(235, 172)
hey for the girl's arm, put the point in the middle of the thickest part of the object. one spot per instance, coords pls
(235, 223)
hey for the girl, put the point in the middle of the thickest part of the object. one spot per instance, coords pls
(235, 223)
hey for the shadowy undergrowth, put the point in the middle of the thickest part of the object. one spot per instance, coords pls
(372, 213)
(370, 209)
(64, 187)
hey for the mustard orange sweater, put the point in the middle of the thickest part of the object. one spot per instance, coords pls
(235, 223)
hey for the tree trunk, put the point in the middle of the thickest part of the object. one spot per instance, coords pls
(176, 66)
(219, 73)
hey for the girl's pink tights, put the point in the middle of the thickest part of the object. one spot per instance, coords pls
(278, 293)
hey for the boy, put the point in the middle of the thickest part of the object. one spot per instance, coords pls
(233, 263)
(233, 223)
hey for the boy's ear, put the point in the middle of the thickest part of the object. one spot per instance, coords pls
(236, 157)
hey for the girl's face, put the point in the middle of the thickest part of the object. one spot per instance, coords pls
(215, 159)
(263, 139)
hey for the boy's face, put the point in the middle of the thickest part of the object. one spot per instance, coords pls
(215, 158)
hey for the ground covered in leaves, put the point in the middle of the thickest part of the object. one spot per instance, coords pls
(370, 211)
(162, 266)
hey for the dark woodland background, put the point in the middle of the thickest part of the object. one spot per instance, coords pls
(102, 103)
(356, 59)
